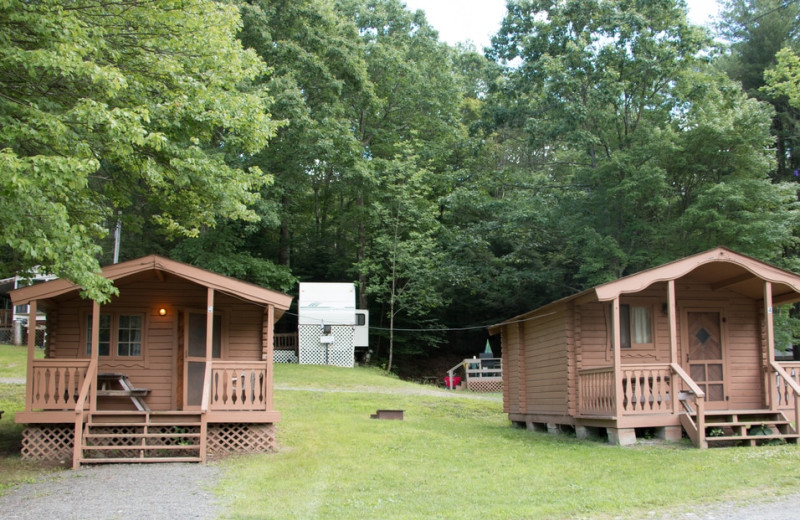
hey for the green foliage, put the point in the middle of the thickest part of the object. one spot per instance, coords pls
(224, 251)
(656, 155)
(757, 30)
(108, 106)
(784, 78)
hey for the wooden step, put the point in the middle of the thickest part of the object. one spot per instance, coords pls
(140, 460)
(735, 424)
(754, 437)
(140, 447)
(776, 422)
(140, 435)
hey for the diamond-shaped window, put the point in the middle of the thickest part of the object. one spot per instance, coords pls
(702, 335)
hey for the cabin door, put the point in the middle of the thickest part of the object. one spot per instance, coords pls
(704, 356)
(194, 367)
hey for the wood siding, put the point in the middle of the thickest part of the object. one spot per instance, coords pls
(543, 354)
(158, 368)
(536, 354)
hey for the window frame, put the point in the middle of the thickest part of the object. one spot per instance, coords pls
(114, 330)
(626, 318)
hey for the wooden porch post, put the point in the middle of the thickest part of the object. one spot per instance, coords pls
(31, 350)
(769, 326)
(673, 339)
(95, 354)
(269, 315)
(209, 325)
(618, 391)
(522, 389)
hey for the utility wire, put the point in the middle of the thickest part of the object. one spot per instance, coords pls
(784, 5)
(445, 329)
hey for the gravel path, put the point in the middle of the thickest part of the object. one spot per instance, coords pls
(780, 508)
(118, 491)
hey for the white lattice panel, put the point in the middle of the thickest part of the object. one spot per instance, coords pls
(284, 356)
(339, 353)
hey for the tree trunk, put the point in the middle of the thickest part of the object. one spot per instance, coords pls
(361, 253)
(284, 249)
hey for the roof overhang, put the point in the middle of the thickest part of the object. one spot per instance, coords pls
(160, 265)
(718, 268)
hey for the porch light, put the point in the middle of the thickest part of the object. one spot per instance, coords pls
(162, 311)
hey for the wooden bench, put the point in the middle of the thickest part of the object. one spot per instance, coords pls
(126, 389)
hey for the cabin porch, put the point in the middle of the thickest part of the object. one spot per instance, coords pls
(664, 397)
(74, 412)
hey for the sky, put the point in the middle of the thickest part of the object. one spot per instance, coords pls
(477, 20)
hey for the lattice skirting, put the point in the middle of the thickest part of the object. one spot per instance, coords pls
(229, 438)
(48, 443)
(54, 443)
(484, 386)
(339, 353)
(284, 356)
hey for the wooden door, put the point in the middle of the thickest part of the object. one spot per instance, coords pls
(705, 358)
(194, 367)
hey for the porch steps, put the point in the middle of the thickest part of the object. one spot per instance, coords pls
(748, 427)
(142, 437)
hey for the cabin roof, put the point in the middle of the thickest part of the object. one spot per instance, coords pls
(721, 268)
(161, 266)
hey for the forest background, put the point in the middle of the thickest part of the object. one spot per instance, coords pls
(341, 140)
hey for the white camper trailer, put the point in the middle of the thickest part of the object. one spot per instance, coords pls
(329, 325)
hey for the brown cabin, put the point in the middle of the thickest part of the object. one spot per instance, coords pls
(687, 346)
(178, 367)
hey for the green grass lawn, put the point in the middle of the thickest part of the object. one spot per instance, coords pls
(455, 457)
(12, 399)
(452, 457)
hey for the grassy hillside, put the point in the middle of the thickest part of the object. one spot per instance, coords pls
(458, 457)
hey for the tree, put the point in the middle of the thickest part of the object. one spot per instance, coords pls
(619, 106)
(318, 73)
(757, 30)
(784, 78)
(109, 107)
(402, 266)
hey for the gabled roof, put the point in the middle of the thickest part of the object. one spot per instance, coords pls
(720, 268)
(154, 263)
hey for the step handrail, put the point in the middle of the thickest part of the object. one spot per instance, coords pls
(83, 396)
(695, 428)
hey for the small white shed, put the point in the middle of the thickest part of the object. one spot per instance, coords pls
(329, 325)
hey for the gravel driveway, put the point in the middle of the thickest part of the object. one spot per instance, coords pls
(159, 491)
(118, 491)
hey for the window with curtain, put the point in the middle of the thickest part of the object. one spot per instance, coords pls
(635, 323)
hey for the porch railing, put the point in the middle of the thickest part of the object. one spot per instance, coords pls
(646, 389)
(56, 383)
(285, 341)
(238, 386)
(784, 382)
(596, 391)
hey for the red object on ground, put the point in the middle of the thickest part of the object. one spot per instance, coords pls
(452, 384)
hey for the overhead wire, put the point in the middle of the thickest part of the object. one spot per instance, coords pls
(440, 329)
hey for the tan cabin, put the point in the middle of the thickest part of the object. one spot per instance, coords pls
(178, 367)
(687, 346)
